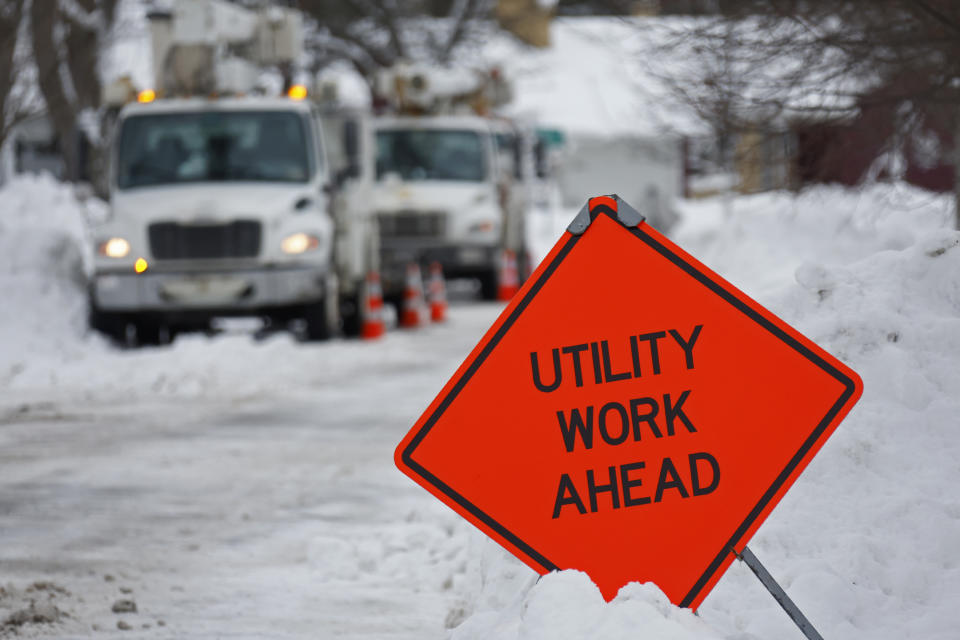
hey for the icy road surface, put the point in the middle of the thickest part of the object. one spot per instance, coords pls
(235, 489)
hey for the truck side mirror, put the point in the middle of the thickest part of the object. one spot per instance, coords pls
(351, 146)
(343, 174)
(540, 160)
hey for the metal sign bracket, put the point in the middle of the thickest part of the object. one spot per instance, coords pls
(624, 214)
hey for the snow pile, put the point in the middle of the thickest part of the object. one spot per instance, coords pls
(868, 540)
(870, 535)
(42, 271)
(567, 605)
(758, 241)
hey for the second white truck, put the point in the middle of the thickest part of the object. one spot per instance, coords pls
(442, 179)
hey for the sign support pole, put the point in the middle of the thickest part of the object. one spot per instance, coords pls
(779, 594)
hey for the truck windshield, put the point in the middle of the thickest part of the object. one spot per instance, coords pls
(171, 148)
(431, 154)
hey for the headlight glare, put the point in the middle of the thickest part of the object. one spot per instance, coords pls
(299, 243)
(114, 248)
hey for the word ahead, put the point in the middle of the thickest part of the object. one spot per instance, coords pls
(628, 392)
(621, 485)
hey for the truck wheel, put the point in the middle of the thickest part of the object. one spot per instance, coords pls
(351, 315)
(130, 330)
(322, 319)
(112, 325)
(525, 264)
(151, 331)
(488, 284)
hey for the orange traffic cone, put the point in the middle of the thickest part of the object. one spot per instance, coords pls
(438, 293)
(509, 281)
(371, 310)
(413, 302)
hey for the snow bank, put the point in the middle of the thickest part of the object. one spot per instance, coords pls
(42, 272)
(568, 605)
(758, 241)
(869, 539)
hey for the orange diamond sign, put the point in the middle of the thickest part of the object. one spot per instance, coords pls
(630, 414)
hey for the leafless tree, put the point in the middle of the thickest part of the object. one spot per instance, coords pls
(14, 105)
(67, 36)
(373, 34)
(766, 61)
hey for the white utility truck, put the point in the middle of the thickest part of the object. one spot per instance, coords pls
(441, 177)
(220, 194)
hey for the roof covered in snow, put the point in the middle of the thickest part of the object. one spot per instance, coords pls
(595, 78)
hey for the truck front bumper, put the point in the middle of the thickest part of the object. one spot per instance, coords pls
(458, 261)
(234, 291)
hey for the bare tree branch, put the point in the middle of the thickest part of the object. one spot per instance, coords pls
(463, 12)
(373, 34)
(44, 15)
(938, 16)
(771, 62)
(10, 15)
(82, 48)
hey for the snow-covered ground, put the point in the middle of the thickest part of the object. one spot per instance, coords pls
(236, 488)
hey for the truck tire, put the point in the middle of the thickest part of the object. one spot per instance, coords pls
(111, 324)
(130, 330)
(525, 264)
(322, 319)
(151, 331)
(351, 315)
(489, 280)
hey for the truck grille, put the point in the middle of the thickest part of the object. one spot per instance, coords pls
(413, 224)
(172, 241)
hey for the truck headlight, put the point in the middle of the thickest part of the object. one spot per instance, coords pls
(114, 248)
(299, 243)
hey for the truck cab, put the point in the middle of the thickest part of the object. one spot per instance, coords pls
(438, 196)
(441, 178)
(218, 207)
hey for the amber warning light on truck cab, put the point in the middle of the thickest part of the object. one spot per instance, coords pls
(628, 392)
(297, 92)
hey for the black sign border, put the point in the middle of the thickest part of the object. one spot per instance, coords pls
(706, 280)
